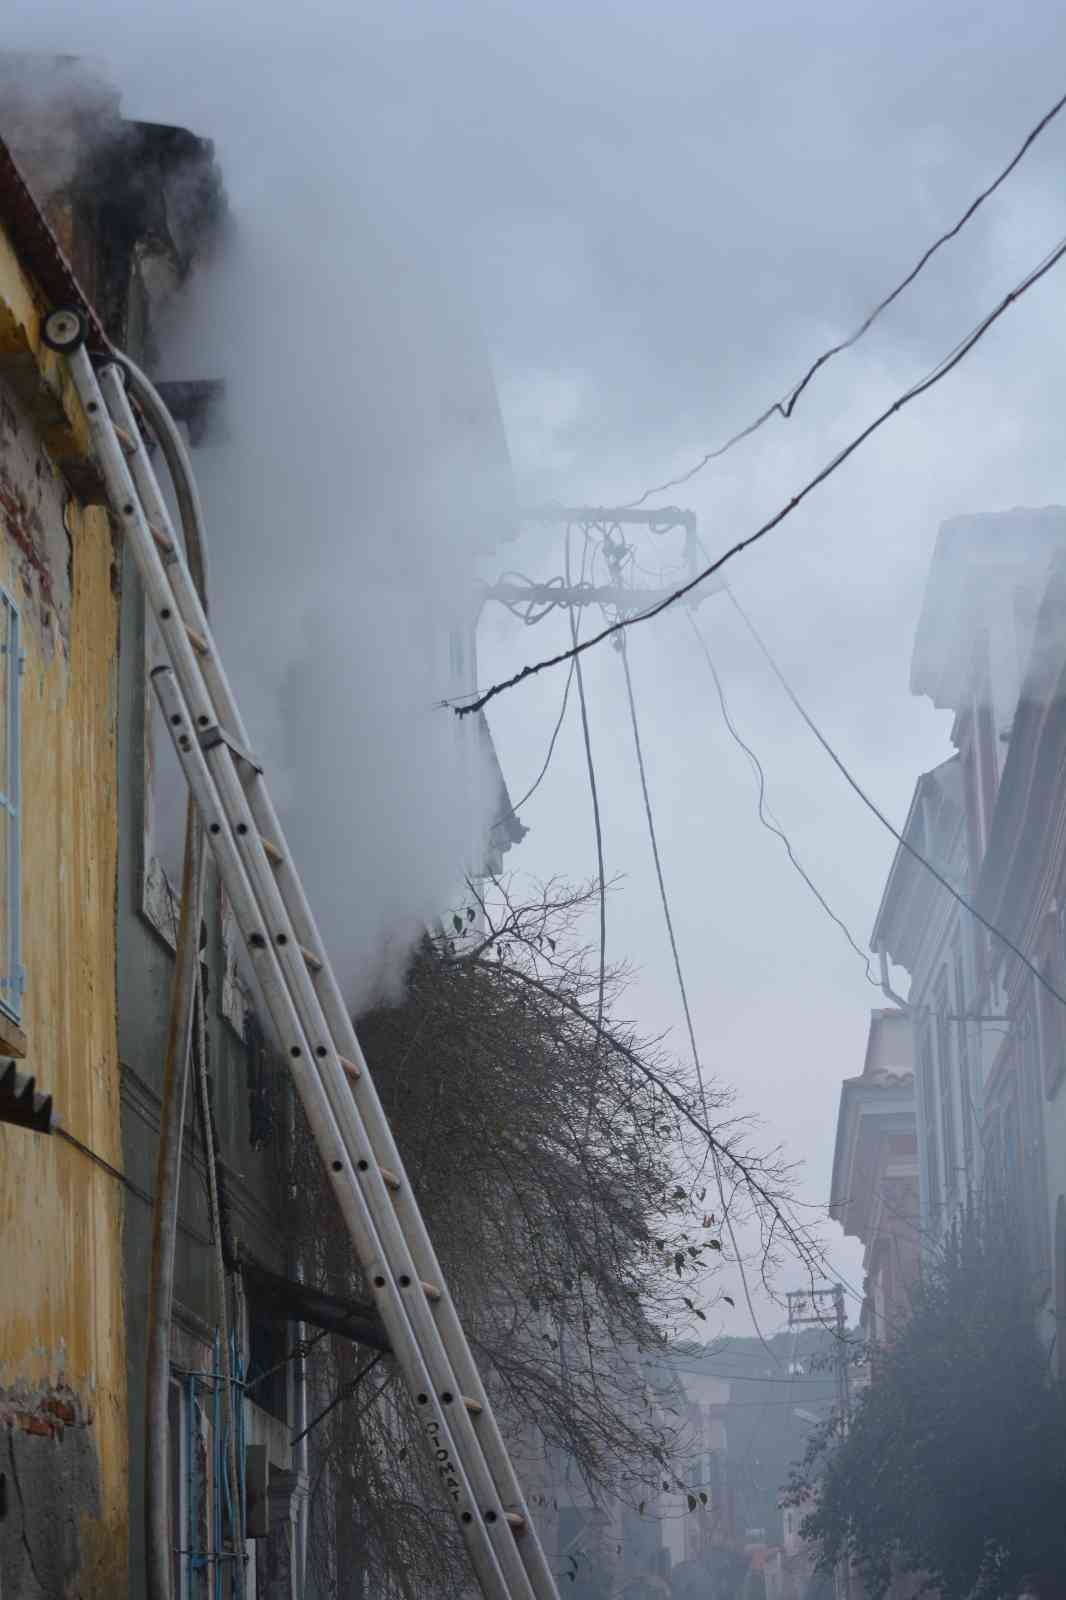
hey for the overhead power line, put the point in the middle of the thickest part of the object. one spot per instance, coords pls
(513, 810)
(787, 404)
(686, 1008)
(945, 883)
(770, 822)
(126, 1182)
(593, 790)
(940, 371)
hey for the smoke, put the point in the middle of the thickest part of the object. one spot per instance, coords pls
(662, 216)
(51, 109)
(361, 472)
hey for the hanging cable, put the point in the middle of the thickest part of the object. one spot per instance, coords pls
(343, 1393)
(127, 1183)
(587, 738)
(218, 1255)
(158, 1563)
(766, 817)
(939, 372)
(513, 810)
(787, 404)
(683, 991)
(900, 839)
(159, 1568)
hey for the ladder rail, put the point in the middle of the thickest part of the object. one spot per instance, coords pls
(327, 995)
(399, 1268)
(391, 1209)
(393, 1309)
(488, 1537)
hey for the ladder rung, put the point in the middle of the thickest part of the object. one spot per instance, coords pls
(516, 1520)
(273, 854)
(126, 440)
(391, 1180)
(473, 1406)
(212, 737)
(350, 1068)
(314, 962)
(163, 540)
(197, 640)
(432, 1292)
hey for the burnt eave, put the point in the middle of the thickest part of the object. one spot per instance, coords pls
(1028, 795)
(39, 250)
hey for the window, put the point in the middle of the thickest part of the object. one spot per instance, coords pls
(163, 843)
(1031, 1131)
(1060, 1287)
(945, 1059)
(932, 1162)
(267, 1368)
(179, 1474)
(1018, 1132)
(12, 977)
(984, 734)
(985, 728)
(1052, 1033)
(967, 1099)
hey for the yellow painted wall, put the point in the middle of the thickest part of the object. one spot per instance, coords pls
(61, 1313)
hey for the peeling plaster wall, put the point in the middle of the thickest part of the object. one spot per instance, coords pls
(52, 1485)
(63, 1418)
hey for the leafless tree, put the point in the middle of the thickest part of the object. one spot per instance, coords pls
(558, 1164)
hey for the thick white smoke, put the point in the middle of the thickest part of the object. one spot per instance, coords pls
(361, 471)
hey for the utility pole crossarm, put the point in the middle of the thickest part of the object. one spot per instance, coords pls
(553, 594)
(605, 523)
(659, 519)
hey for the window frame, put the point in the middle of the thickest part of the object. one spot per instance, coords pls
(945, 1087)
(926, 1061)
(968, 1099)
(12, 972)
(177, 1412)
(160, 898)
(1032, 1146)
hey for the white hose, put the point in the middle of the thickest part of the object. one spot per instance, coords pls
(186, 999)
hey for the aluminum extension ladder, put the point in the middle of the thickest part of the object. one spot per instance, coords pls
(308, 1011)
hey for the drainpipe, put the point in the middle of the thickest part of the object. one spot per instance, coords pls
(158, 1533)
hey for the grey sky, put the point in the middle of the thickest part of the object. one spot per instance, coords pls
(663, 213)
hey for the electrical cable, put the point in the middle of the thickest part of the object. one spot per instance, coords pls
(683, 990)
(513, 810)
(158, 1562)
(747, 1377)
(299, 1352)
(218, 1254)
(739, 1405)
(127, 1183)
(944, 882)
(586, 736)
(787, 404)
(342, 1394)
(939, 372)
(768, 820)
(530, 612)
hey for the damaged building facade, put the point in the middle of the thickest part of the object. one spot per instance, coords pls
(63, 1472)
(978, 1060)
(116, 216)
